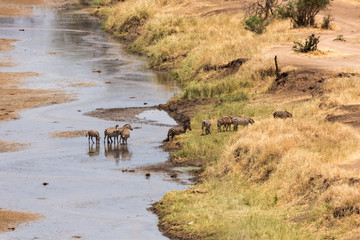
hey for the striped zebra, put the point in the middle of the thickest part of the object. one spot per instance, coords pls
(93, 134)
(177, 130)
(243, 121)
(123, 128)
(225, 122)
(111, 132)
(125, 134)
(206, 124)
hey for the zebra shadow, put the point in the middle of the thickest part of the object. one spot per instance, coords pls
(94, 149)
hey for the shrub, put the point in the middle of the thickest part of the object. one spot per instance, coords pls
(326, 24)
(340, 38)
(256, 24)
(286, 10)
(310, 44)
(306, 10)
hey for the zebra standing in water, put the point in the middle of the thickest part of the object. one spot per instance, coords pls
(125, 134)
(122, 129)
(111, 132)
(178, 130)
(93, 134)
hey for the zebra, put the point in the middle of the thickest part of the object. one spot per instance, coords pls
(125, 134)
(224, 121)
(177, 130)
(207, 125)
(93, 134)
(282, 114)
(126, 126)
(111, 132)
(244, 121)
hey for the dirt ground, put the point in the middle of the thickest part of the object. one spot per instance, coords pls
(341, 54)
(9, 220)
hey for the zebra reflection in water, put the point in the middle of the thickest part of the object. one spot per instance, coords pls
(94, 150)
(117, 152)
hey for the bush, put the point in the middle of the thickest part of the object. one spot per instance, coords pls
(306, 10)
(310, 44)
(326, 24)
(286, 10)
(256, 24)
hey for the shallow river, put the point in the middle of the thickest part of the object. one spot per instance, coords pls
(87, 194)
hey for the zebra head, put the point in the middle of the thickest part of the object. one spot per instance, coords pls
(128, 126)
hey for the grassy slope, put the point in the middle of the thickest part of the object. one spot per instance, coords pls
(274, 180)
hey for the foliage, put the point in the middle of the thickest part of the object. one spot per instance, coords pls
(310, 44)
(306, 10)
(286, 10)
(326, 24)
(265, 8)
(256, 24)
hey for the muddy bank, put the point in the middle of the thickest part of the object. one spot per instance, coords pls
(179, 110)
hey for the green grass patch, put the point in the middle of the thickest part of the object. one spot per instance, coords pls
(228, 209)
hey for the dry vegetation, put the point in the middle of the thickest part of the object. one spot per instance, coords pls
(277, 179)
(193, 45)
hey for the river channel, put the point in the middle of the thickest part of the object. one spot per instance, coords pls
(87, 195)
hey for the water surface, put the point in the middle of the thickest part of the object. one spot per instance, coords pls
(88, 195)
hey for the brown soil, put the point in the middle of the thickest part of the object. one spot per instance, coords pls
(15, 12)
(300, 82)
(6, 44)
(182, 109)
(10, 219)
(11, 146)
(69, 134)
(23, 2)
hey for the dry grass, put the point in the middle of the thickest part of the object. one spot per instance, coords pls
(343, 90)
(176, 37)
(266, 175)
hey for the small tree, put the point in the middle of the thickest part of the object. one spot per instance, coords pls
(256, 24)
(310, 44)
(306, 10)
